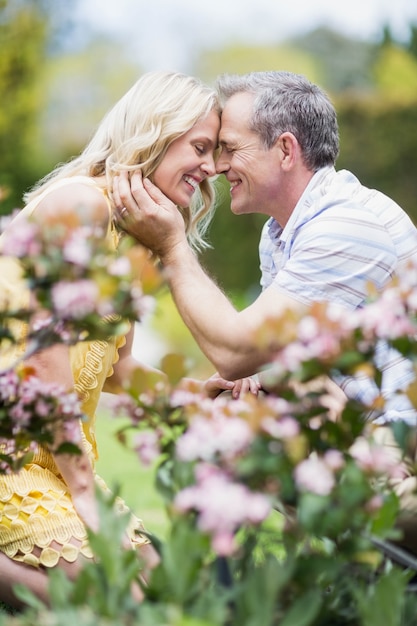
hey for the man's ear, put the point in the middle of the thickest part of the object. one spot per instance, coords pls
(290, 150)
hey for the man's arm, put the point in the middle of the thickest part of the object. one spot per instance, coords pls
(225, 335)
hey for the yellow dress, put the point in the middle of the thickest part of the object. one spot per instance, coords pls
(38, 522)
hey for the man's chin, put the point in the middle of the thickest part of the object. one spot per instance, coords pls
(236, 209)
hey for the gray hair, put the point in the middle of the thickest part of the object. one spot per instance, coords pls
(287, 102)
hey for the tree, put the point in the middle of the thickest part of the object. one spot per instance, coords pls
(25, 31)
(395, 74)
(346, 63)
(240, 58)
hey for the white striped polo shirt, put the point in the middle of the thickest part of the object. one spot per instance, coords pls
(340, 238)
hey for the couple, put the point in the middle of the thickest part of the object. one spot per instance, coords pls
(147, 171)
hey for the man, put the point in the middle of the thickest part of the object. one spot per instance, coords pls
(327, 237)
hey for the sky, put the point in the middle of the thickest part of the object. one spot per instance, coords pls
(166, 34)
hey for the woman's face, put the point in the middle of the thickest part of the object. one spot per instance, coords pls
(188, 161)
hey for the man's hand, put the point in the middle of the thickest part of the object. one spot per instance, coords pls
(146, 214)
(214, 386)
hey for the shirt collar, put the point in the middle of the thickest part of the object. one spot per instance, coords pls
(308, 196)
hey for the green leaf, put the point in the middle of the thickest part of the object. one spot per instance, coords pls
(401, 432)
(27, 597)
(382, 602)
(304, 610)
(60, 588)
(259, 589)
(67, 448)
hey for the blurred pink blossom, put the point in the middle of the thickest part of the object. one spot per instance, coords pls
(386, 318)
(146, 445)
(77, 249)
(222, 507)
(314, 474)
(120, 267)
(281, 428)
(334, 459)
(21, 239)
(375, 503)
(208, 437)
(376, 459)
(75, 299)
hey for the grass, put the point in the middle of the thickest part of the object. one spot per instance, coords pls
(120, 466)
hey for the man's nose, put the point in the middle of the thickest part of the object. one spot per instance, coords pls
(221, 164)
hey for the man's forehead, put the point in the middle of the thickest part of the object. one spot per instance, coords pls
(227, 134)
(237, 110)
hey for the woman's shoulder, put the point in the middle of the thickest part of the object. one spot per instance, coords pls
(78, 195)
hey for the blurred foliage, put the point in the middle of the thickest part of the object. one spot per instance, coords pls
(241, 58)
(23, 38)
(396, 74)
(73, 92)
(233, 259)
(345, 64)
(42, 85)
(379, 144)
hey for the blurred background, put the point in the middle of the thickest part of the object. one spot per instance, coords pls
(63, 63)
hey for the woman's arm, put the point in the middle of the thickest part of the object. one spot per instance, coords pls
(53, 364)
(126, 365)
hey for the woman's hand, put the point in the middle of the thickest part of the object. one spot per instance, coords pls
(214, 385)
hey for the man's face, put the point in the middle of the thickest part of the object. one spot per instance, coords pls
(252, 171)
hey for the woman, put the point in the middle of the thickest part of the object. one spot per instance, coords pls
(166, 125)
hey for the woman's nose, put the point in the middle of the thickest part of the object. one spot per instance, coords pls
(209, 167)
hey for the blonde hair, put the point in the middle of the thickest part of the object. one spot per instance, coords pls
(136, 133)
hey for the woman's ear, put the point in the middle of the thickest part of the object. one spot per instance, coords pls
(289, 148)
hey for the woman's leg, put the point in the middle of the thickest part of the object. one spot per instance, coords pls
(12, 573)
(34, 578)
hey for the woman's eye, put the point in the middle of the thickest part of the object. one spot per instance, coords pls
(200, 149)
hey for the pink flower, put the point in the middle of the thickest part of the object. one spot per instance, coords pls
(334, 459)
(9, 382)
(72, 431)
(146, 445)
(386, 318)
(42, 408)
(374, 504)
(284, 428)
(313, 474)
(77, 249)
(373, 458)
(75, 300)
(208, 437)
(142, 305)
(21, 239)
(120, 267)
(222, 506)
(223, 543)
